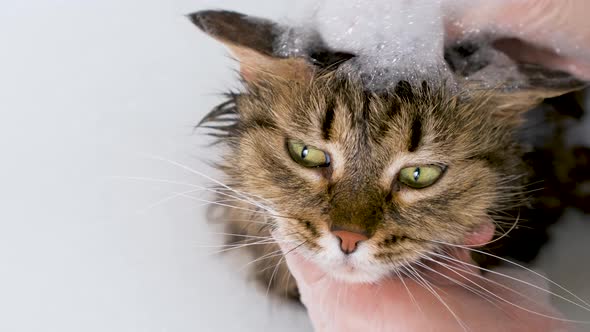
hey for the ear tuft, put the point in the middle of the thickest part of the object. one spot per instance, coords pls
(238, 29)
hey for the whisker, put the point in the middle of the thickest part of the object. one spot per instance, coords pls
(429, 287)
(220, 204)
(250, 221)
(191, 170)
(412, 298)
(166, 199)
(528, 310)
(278, 265)
(455, 268)
(242, 235)
(500, 237)
(473, 290)
(261, 241)
(517, 265)
(264, 212)
(177, 194)
(147, 179)
(238, 243)
(511, 278)
(234, 247)
(270, 255)
(245, 199)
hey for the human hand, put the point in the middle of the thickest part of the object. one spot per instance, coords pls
(556, 33)
(457, 298)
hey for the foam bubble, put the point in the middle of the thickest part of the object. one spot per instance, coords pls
(393, 40)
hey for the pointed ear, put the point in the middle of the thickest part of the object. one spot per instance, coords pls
(533, 84)
(252, 41)
(515, 86)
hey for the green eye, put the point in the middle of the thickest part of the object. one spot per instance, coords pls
(419, 177)
(308, 156)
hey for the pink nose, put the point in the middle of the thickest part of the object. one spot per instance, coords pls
(349, 240)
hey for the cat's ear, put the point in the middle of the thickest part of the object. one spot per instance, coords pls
(534, 84)
(252, 41)
(514, 86)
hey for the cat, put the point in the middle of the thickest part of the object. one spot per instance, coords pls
(364, 182)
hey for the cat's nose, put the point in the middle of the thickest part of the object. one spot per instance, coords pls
(349, 240)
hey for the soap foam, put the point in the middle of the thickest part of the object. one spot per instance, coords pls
(393, 40)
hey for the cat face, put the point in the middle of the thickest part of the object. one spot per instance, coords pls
(363, 182)
(406, 170)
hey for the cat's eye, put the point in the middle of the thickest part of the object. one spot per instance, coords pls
(419, 177)
(308, 156)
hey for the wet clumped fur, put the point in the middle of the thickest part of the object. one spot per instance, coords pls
(473, 136)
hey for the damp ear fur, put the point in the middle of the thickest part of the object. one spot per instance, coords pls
(251, 41)
(523, 85)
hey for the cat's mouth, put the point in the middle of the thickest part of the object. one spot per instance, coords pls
(363, 265)
(368, 264)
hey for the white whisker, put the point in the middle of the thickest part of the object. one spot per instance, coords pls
(412, 298)
(511, 278)
(178, 194)
(270, 255)
(500, 237)
(165, 199)
(518, 265)
(429, 287)
(526, 309)
(241, 246)
(191, 170)
(461, 284)
(242, 235)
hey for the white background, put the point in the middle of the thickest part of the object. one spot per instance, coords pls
(88, 89)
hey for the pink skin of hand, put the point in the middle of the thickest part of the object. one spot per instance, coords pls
(557, 33)
(396, 305)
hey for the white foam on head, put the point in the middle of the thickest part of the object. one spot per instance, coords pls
(393, 40)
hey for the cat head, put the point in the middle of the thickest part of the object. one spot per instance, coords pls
(362, 182)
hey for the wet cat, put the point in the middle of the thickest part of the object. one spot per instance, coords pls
(362, 182)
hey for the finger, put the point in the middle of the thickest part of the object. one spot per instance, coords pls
(527, 53)
(559, 30)
(510, 18)
(559, 27)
